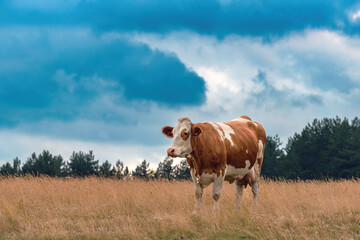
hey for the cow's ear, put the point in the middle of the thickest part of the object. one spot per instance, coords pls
(167, 131)
(196, 131)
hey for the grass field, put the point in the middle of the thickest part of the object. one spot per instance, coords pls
(95, 208)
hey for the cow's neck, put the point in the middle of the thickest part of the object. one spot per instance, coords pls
(196, 155)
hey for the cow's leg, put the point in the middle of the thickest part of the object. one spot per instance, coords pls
(239, 188)
(255, 190)
(198, 196)
(198, 192)
(255, 185)
(218, 182)
(257, 169)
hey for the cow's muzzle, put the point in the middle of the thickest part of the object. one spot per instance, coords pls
(171, 152)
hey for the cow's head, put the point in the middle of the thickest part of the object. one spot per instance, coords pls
(181, 134)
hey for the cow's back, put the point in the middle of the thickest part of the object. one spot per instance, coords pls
(249, 140)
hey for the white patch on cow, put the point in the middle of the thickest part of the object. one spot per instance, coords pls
(196, 179)
(256, 169)
(207, 178)
(216, 127)
(252, 171)
(192, 173)
(247, 151)
(260, 150)
(181, 147)
(238, 173)
(225, 134)
(227, 131)
(241, 120)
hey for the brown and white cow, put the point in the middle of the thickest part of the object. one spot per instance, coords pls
(218, 152)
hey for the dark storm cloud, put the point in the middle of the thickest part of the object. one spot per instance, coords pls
(261, 18)
(60, 74)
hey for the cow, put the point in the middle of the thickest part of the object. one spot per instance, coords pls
(218, 152)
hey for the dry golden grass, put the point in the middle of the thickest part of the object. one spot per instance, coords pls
(94, 208)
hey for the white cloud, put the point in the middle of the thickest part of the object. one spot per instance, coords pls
(295, 65)
(240, 58)
(356, 15)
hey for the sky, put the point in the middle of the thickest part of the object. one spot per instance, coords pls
(80, 75)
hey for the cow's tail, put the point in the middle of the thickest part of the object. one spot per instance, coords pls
(261, 136)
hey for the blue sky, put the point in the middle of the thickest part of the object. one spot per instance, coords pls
(107, 75)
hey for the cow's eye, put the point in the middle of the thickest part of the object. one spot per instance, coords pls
(186, 133)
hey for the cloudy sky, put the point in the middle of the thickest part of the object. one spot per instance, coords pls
(79, 75)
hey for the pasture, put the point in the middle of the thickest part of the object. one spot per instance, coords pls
(99, 208)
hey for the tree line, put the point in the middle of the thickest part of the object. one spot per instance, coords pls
(83, 164)
(326, 148)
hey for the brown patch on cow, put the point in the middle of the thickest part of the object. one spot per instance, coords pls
(208, 150)
(251, 125)
(191, 161)
(167, 131)
(184, 134)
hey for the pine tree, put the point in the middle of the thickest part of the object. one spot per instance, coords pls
(83, 164)
(120, 171)
(16, 166)
(45, 163)
(165, 169)
(143, 171)
(182, 170)
(106, 170)
(6, 169)
(273, 157)
(29, 165)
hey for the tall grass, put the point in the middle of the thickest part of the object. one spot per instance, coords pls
(39, 208)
